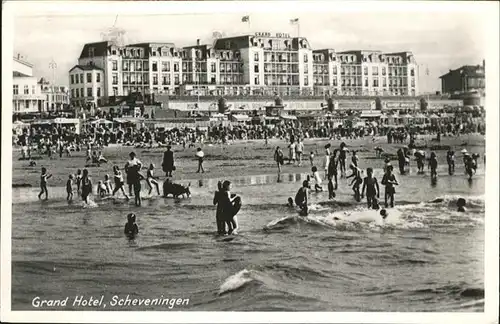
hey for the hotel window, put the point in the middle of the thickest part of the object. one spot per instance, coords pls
(213, 68)
(383, 70)
(26, 90)
(334, 72)
(125, 79)
(366, 82)
(89, 92)
(98, 92)
(81, 78)
(365, 70)
(412, 82)
(89, 77)
(76, 78)
(113, 52)
(305, 58)
(115, 78)
(375, 82)
(176, 67)
(115, 91)
(375, 70)
(306, 81)
(334, 82)
(256, 80)
(72, 93)
(72, 79)
(98, 77)
(176, 78)
(412, 72)
(138, 66)
(16, 89)
(256, 68)
(306, 68)
(184, 66)
(342, 70)
(115, 66)
(256, 56)
(27, 104)
(384, 82)
(165, 66)
(343, 82)
(33, 90)
(155, 79)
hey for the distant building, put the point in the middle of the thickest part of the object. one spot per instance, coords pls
(27, 93)
(87, 85)
(56, 97)
(259, 64)
(365, 73)
(465, 79)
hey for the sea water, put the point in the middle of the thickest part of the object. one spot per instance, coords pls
(425, 256)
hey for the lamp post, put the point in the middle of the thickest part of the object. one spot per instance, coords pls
(53, 67)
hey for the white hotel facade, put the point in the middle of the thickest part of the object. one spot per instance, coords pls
(260, 64)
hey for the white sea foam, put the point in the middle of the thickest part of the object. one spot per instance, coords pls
(236, 281)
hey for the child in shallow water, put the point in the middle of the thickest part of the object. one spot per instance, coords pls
(131, 228)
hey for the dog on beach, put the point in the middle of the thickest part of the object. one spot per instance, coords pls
(176, 189)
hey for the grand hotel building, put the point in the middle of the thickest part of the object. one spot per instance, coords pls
(260, 64)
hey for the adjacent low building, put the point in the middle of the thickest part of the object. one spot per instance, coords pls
(57, 98)
(27, 93)
(467, 78)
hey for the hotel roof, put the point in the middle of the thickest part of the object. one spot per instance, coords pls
(86, 68)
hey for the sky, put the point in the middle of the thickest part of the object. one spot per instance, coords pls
(440, 39)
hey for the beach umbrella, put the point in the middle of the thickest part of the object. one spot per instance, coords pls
(463, 151)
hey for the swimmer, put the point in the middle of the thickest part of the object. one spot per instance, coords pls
(461, 205)
(311, 158)
(383, 214)
(301, 198)
(228, 201)
(43, 184)
(69, 187)
(131, 228)
(375, 204)
(290, 202)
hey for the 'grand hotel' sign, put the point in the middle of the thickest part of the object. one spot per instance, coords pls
(278, 35)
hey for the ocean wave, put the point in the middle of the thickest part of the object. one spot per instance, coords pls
(236, 282)
(458, 290)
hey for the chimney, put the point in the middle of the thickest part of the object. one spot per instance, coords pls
(197, 42)
(19, 56)
(484, 65)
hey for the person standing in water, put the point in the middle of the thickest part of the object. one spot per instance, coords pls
(230, 207)
(86, 186)
(299, 149)
(389, 181)
(119, 183)
(450, 159)
(200, 155)
(131, 228)
(342, 159)
(219, 217)
(152, 180)
(168, 162)
(43, 184)
(278, 157)
(327, 158)
(78, 181)
(354, 159)
(69, 188)
(433, 163)
(131, 171)
(372, 189)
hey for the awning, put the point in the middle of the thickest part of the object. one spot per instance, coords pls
(289, 117)
(240, 117)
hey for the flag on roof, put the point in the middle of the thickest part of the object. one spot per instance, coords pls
(294, 21)
(245, 19)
